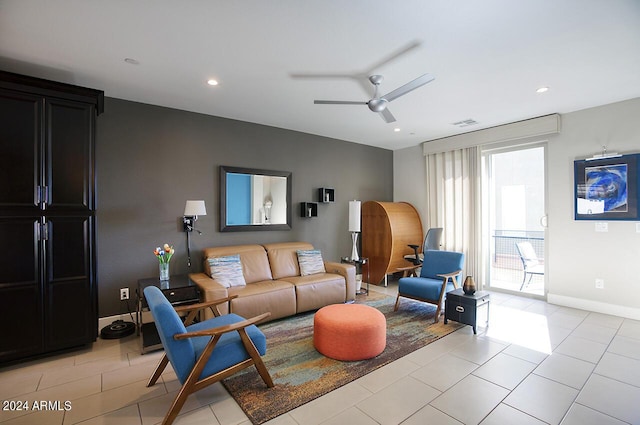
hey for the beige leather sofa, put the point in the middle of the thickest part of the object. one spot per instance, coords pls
(274, 283)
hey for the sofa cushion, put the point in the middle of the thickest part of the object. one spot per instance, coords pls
(424, 287)
(227, 270)
(284, 259)
(317, 290)
(274, 296)
(310, 262)
(255, 264)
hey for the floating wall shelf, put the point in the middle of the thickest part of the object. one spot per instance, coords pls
(326, 195)
(308, 209)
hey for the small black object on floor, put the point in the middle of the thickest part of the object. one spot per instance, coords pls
(118, 329)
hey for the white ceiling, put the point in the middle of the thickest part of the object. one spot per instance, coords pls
(488, 58)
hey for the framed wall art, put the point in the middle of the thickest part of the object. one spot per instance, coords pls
(607, 188)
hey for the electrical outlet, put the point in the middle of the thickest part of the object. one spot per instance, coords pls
(600, 283)
(124, 294)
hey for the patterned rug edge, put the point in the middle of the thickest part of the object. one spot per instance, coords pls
(250, 392)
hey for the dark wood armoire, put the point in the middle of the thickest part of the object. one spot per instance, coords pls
(48, 294)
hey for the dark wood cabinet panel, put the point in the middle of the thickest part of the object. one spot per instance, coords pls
(20, 139)
(68, 160)
(70, 308)
(48, 295)
(21, 309)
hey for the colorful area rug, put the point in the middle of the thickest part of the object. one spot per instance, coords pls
(301, 374)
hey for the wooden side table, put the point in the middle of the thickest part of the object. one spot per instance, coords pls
(463, 308)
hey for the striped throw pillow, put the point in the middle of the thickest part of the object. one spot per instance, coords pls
(310, 262)
(227, 270)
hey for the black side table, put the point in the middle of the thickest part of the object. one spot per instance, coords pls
(360, 263)
(179, 290)
(463, 308)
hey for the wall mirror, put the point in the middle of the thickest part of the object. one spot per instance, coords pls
(252, 199)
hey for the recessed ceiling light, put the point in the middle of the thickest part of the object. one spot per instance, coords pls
(397, 130)
(542, 89)
(212, 82)
(131, 61)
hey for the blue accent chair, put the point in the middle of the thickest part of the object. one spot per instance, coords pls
(437, 277)
(206, 352)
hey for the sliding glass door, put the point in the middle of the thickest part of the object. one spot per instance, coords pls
(514, 219)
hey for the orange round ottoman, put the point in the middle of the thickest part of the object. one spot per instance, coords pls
(349, 331)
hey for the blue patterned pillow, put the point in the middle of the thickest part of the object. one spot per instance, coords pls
(310, 262)
(227, 270)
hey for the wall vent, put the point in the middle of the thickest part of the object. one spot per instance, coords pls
(465, 123)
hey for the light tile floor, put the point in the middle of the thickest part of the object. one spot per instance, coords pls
(536, 363)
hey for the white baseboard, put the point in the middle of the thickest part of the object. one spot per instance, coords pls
(598, 307)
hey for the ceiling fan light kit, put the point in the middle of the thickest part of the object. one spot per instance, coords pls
(379, 103)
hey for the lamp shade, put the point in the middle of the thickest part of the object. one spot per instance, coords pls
(354, 216)
(193, 208)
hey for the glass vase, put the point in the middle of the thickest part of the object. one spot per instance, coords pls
(164, 271)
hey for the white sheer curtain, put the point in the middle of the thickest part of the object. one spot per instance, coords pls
(453, 196)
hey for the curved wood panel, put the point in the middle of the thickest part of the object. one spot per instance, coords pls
(387, 230)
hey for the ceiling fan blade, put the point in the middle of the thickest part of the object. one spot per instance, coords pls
(411, 85)
(393, 56)
(337, 102)
(387, 116)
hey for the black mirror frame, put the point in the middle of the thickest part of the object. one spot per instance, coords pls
(224, 227)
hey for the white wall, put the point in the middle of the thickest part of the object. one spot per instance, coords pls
(409, 176)
(576, 254)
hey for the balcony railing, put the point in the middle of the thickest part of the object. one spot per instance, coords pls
(505, 253)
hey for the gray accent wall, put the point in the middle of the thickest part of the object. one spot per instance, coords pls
(151, 159)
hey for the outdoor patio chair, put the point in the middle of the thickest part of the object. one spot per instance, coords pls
(530, 263)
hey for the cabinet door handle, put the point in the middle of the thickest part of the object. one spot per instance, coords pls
(42, 231)
(459, 309)
(43, 195)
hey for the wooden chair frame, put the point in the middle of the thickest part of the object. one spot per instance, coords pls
(192, 383)
(440, 301)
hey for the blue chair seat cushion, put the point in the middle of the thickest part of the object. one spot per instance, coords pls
(422, 287)
(229, 350)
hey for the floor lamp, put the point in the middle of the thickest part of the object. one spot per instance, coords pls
(354, 227)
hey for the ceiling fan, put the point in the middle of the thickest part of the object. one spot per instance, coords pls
(379, 103)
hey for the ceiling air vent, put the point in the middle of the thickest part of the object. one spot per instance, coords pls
(465, 123)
